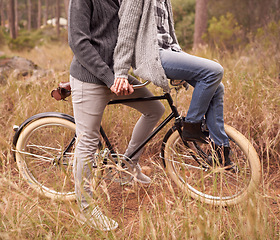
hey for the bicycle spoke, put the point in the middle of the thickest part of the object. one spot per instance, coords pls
(40, 157)
(187, 165)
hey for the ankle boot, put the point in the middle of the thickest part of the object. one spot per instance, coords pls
(223, 156)
(193, 132)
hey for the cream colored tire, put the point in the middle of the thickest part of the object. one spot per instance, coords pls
(213, 184)
(39, 156)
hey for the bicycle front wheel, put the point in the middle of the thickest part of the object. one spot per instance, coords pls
(187, 166)
(44, 155)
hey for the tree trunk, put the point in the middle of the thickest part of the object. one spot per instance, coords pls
(39, 14)
(66, 6)
(29, 9)
(16, 17)
(11, 16)
(2, 13)
(46, 12)
(57, 17)
(201, 18)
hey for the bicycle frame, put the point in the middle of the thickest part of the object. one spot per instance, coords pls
(173, 114)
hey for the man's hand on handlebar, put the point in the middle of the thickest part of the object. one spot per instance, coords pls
(121, 87)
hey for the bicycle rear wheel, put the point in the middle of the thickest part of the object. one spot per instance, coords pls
(44, 155)
(187, 166)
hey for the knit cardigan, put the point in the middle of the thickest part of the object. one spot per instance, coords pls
(137, 44)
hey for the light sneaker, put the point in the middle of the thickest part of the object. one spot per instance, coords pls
(98, 220)
(139, 176)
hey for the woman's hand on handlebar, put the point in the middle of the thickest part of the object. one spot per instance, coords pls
(121, 87)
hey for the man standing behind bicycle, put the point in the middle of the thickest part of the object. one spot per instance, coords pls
(93, 28)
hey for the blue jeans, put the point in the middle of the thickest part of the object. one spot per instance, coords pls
(207, 99)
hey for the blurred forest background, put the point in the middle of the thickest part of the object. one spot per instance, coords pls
(219, 23)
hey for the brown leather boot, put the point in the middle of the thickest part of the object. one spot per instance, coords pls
(193, 132)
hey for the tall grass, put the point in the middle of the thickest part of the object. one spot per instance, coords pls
(160, 211)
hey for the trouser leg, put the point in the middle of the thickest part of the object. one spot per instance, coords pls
(89, 102)
(207, 99)
(151, 111)
(215, 119)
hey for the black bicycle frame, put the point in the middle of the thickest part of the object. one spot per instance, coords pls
(173, 114)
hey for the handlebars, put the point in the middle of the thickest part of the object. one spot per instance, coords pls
(64, 89)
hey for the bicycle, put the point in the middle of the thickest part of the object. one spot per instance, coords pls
(44, 145)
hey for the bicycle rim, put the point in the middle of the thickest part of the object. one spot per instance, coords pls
(42, 160)
(213, 184)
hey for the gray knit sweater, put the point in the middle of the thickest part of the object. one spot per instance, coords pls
(92, 36)
(137, 44)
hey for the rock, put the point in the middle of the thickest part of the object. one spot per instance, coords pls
(22, 64)
(17, 67)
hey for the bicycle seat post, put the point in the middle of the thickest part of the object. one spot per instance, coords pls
(176, 97)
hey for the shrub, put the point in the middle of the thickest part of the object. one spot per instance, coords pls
(224, 32)
(21, 43)
(184, 14)
(26, 40)
(264, 45)
(269, 35)
(2, 37)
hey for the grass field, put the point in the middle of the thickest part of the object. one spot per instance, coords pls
(252, 105)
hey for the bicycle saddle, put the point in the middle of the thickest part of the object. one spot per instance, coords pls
(62, 92)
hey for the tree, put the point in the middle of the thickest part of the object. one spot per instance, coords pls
(2, 12)
(57, 17)
(11, 17)
(39, 13)
(46, 12)
(29, 15)
(66, 6)
(201, 18)
(16, 17)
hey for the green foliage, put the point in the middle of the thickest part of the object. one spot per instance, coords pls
(269, 35)
(265, 44)
(224, 32)
(3, 37)
(26, 40)
(21, 43)
(251, 14)
(184, 13)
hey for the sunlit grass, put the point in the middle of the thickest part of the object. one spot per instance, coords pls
(159, 211)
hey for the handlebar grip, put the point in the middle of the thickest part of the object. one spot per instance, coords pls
(141, 85)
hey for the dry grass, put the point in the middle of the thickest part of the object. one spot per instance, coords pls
(252, 105)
